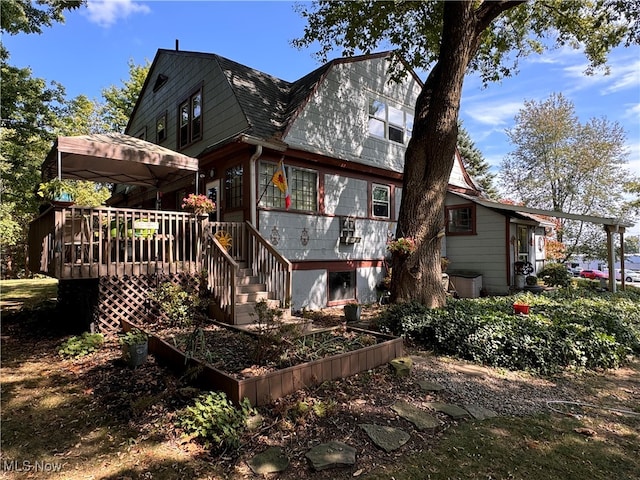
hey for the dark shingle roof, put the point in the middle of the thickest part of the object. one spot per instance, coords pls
(263, 98)
(269, 104)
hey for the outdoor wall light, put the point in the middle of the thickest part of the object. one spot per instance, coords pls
(304, 237)
(275, 236)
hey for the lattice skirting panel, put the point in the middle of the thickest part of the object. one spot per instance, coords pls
(126, 297)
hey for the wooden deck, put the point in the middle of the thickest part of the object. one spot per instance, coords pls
(130, 250)
(78, 242)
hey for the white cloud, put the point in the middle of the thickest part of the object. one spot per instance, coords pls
(495, 114)
(623, 73)
(632, 112)
(624, 76)
(106, 12)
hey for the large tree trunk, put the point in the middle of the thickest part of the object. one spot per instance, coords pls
(429, 158)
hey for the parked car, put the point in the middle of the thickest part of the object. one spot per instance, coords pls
(593, 274)
(629, 275)
(576, 271)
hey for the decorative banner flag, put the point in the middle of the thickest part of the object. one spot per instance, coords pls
(279, 179)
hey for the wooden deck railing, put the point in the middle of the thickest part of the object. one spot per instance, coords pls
(273, 269)
(81, 242)
(222, 272)
(247, 250)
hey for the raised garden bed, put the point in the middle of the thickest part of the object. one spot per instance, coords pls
(264, 388)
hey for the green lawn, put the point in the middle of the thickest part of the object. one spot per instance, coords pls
(15, 294)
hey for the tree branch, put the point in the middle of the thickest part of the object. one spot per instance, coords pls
(489, 11)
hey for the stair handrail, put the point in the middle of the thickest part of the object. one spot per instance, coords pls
(268, 263)
(222, 271)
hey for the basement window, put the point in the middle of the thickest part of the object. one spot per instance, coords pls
(342, 286)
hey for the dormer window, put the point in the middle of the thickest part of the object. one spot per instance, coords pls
(388, 122)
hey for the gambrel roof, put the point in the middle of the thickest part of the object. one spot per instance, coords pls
(268, 103)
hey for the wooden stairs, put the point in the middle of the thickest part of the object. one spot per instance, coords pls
(249, 291)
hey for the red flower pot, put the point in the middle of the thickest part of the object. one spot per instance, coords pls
(523, 309)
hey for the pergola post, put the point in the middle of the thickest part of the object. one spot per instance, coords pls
(611, 255)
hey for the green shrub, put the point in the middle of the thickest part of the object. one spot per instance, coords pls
(567, 328)
(135, 336)
(178, 305)
(216, 421)
(555, 275)
(79, 346)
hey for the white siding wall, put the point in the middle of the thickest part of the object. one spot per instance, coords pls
(457, 177)
(324, 232)
(221, 115)
(335, 121)
(309, 289)
(485, 252)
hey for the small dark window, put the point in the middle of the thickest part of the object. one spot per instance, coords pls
(461, 220)
(161, 128)
(342, 286)
(160, 81)
(233, 187)
(190, 120)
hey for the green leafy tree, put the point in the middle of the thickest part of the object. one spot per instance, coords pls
(29, 108)
(28, 111)
(475, 163)
(120, 101)
(29, 16)
(632, 244)
(563, 165)
(450, 39)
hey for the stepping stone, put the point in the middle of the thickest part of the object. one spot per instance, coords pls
(480, 413)
(402, 366)
(470, 370)
(271, 460)
(421, 419)
(418, 359)
(254, 422)
(453, 411)
(428, 386)
(387, 438)
(331, 455)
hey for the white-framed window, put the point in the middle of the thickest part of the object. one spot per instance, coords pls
(380, 201)
(388, 122)
(303, 188)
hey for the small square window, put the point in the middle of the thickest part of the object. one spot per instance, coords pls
(461, 220)
(342, 286)
(380, 201)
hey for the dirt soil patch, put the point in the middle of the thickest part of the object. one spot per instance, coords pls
(244, 354)
(96, 418)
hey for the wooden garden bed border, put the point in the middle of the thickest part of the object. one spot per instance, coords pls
(264, 389)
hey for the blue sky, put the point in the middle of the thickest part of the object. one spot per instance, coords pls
(91, 50)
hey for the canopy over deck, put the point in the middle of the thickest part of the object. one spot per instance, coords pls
(115, 158)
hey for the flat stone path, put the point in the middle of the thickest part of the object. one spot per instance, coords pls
(337, 454)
